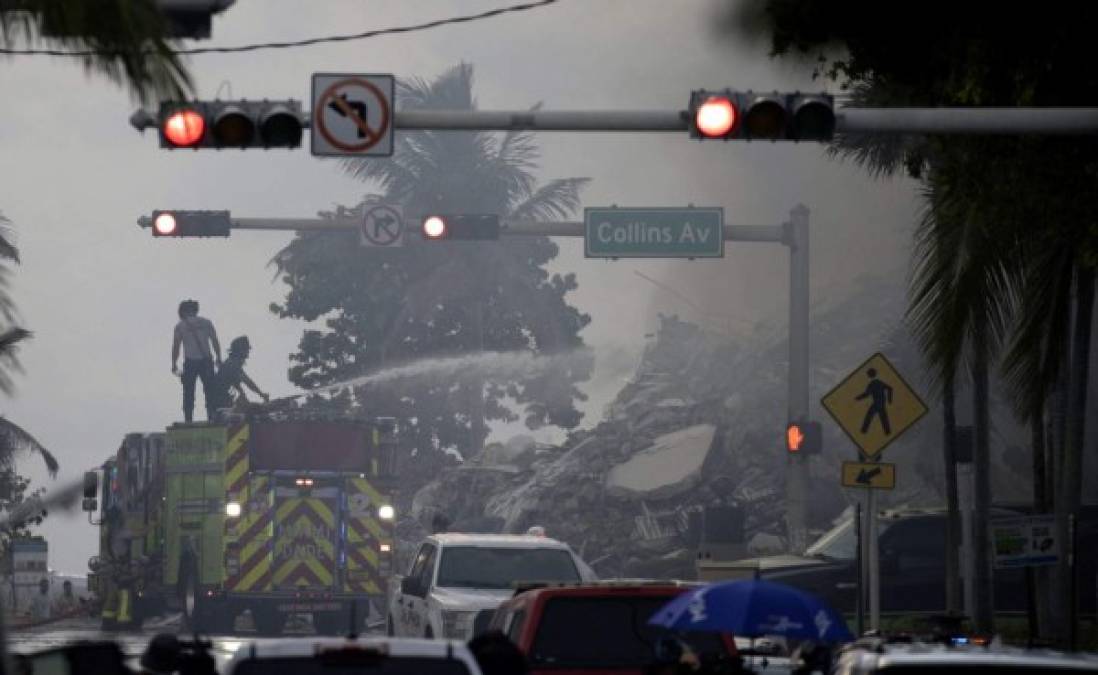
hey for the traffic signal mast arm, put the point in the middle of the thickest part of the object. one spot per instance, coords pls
(1078, 121)
(847, 120)
(561, 228)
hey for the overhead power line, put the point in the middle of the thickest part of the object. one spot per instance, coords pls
(300, 43)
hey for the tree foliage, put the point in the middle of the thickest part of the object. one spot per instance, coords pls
(428, 299)
(125, 40)
(1006, 250)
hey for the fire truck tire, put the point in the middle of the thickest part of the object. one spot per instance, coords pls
(189, 595)
(268, 621)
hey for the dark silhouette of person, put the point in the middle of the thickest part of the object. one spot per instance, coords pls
(881, 394)
(497, 655)
(231, 378)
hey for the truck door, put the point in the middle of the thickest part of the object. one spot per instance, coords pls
(305, 534)
(912, 561)
(412, 606)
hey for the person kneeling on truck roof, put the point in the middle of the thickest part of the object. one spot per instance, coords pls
(231, 376)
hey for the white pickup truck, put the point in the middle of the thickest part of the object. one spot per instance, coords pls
(455, 576)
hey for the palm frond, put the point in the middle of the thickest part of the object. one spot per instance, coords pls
(14, 441)
(8, 250)
(125, 38)
(558, 198)
(9, 361)
(1034, 359)
(882, 155)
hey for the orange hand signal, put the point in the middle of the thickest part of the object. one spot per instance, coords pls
(793, 438)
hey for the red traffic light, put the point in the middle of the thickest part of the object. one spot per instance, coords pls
(434, 227)
(184, 128)
(184, 223)
(164, 224)
(794, 438)
(716, 117)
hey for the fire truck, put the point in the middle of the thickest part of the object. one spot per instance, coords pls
(269, 515)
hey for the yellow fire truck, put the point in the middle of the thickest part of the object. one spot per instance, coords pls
(269, 515)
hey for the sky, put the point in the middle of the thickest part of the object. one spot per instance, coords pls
(100, 294)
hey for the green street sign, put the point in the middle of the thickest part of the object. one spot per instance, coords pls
(654, 232)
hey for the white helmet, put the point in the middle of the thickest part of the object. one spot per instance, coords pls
(536, 531)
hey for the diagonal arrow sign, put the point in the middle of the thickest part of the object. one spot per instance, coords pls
(866, 476)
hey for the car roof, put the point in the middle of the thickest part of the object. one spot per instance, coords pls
(307, 647)
(394, 647)
(906, 655)
(524, 596)
(497, 540)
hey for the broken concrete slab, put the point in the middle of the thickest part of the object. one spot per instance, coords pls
(670, 466)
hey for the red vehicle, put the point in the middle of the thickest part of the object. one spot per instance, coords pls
(596, 628)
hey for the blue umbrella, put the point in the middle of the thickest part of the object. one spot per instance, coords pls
(753, 608)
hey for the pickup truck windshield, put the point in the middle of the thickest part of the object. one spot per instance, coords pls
(840, 542)
(607, 633)
(482, 567)
(380, 666)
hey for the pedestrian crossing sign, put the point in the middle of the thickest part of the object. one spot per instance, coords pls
(874, 405)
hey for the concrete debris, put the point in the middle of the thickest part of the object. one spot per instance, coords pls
(698, 426)
(668, 467)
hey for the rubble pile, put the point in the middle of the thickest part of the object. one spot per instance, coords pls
(700, 424)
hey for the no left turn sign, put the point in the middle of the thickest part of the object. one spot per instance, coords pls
(352, 115)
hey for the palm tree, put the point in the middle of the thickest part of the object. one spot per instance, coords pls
(14, 440)
(496, 288)
(435, 171)
(125, 40)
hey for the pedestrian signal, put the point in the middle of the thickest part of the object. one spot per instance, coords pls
(803, 438)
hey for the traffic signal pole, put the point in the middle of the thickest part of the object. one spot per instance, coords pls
(797, 470)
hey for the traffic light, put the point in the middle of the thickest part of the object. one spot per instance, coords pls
(460, 227)
(230, 124)
(804, 438)
(182, 18)
(727, 114)
(188, 223)
(190, 18)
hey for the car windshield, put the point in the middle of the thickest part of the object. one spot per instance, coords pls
(379, 666)
(483, 567)
(606, 633)
(840, 542)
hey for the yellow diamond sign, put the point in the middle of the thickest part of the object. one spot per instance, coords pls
(874, 405)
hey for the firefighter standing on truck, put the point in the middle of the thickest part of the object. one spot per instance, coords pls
(201, 349)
